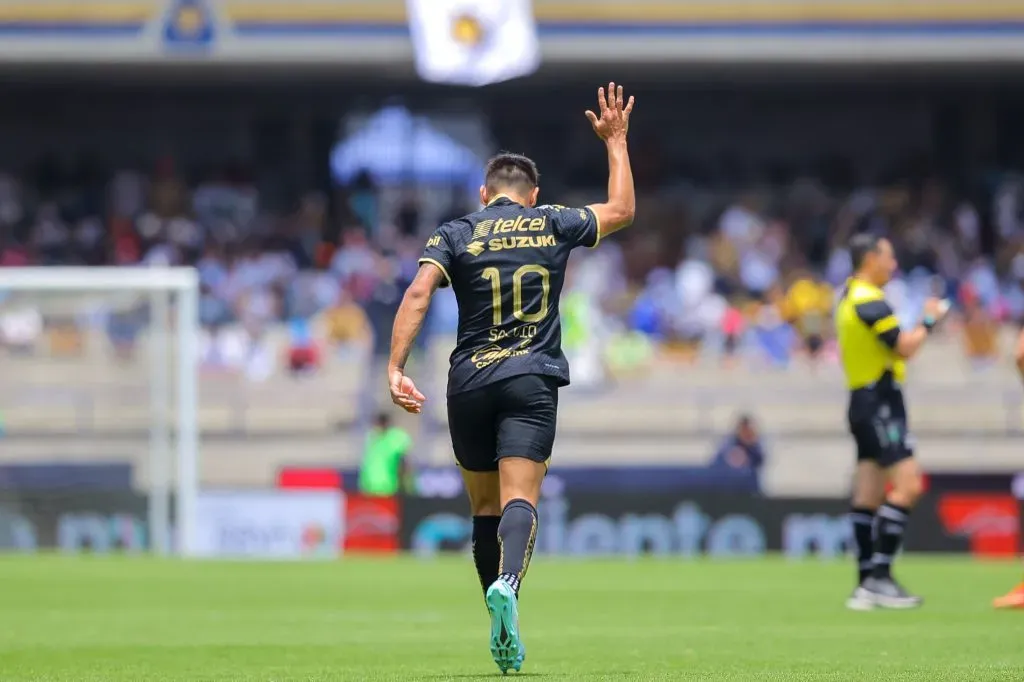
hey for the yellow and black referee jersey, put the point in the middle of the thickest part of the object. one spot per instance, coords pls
(867, 331)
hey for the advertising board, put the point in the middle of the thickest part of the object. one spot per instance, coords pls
(73, 522)
(271, 524)
(673, 525)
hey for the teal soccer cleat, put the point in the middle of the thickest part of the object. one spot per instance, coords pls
(506, 647)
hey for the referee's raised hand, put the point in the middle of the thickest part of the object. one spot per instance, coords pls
(936, 309)
(612, 119)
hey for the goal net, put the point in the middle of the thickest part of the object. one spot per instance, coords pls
(98, 420)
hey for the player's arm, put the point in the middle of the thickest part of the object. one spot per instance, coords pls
(612, 125)
(435, 271)
(408, 322)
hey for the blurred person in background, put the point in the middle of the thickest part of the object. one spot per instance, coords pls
(874, 351)
(123, 329)
(21, 328)
(578, 334)
(355, 263)
(385, 459)
(303, 351)
(1014, 599)
(775, 338)
(742, 225)
(346, 327)
(380, 307)
(742, 450)
(363, 202)
(257, 308)
(759, 266)
(307, 229)
(51, 238)
(980, 330)
(1013, 289)
(808, 307)
(693, 287)
(14, 254)
(64, 335)
(733, 328)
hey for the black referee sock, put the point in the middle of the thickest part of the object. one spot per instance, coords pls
(891, 520)
(517, 534)
(863, 520)
(485, 549)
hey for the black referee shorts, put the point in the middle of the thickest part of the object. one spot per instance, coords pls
(514, 417)
(878, 422)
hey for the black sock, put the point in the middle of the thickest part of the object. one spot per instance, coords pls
(485, 549)
(863, 519)
(891, 522)
(517, 533)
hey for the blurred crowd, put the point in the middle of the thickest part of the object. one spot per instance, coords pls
(741, 275)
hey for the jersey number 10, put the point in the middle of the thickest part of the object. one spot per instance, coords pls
(494, 277)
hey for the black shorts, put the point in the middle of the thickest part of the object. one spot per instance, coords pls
(878, 422)
(514, 417)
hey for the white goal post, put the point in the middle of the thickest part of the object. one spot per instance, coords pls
(165, 287)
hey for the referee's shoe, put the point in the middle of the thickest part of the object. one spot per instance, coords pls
(885, 593)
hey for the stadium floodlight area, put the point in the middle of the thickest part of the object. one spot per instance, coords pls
(157, 310)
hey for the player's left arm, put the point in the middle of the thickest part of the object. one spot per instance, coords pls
(435, 268)
(408, 323)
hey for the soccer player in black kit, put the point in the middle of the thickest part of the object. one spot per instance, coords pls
(506, 264)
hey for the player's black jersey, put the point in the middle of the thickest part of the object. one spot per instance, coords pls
(506, 264)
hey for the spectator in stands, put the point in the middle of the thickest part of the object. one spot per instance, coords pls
(732, 328)
(354, 263)
(123, 329)
(742, 450)
(759, 266)
(807, 306)
(385, 459)
(774, 336)
(51, 238)
(14, 254)
(980, 331)
(346, 326)
(257, 274)
(363, 202)
(21, 327)
(303, 351)
(380, 308)
(307, 230)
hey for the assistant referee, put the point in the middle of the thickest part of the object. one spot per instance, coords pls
(874, 351)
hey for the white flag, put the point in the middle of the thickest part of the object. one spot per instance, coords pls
(473, 42)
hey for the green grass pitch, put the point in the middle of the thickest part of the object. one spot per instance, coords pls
(93, 619)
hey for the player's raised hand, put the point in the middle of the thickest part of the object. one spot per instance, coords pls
(404, 392)
(612, 121)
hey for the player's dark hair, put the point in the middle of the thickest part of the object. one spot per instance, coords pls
(508, 171)
(860, 246)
